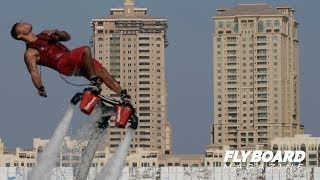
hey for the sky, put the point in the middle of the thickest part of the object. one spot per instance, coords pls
(189, 66)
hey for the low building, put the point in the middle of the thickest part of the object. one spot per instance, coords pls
(302, 142)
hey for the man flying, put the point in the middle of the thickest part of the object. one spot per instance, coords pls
(45, 49)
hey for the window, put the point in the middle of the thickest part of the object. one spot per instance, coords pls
(251, 25)
(228, 24)
(244, 24)
(144, 82)
(268, 23)
(144, 108)
(144, 63)
(143, 38)
(220, 25)
(143, 51)
(260, 26)
(276, 23)
(144, 44)
(236, 27)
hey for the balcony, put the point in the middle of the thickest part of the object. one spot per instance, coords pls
(262, 58)
(262, 89)
(262, 96)
(261, 51)
(233, 128)
(262, 128)
(262, 120)
(231, 64)
(232, 71)
(232, 109)
(261, 38)
(232, 90)
(262, 70)
(232, 115)
(232, 96)
(262, 140)
(262, 134)
(262, 108)
(261, 44)
(232, 77)
(261, 63)
(232, 121)
(231, 39)
(262, 115)
(232, 141)
(231, 52)
(232, 58)
(232, 134)
(233, 45)
(262, 77)
(232, 102)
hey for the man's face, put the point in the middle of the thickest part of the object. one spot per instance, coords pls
(23, 28)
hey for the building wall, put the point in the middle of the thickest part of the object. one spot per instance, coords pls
(176, 173)
(70, 153)
(131, 46)
(256, 76)
(304, 142)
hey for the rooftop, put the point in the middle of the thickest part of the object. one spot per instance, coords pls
(249, 9)
(117, 17)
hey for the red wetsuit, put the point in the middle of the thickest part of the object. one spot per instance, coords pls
(55, 55)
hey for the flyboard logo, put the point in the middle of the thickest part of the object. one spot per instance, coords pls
(265, 156)
(259, 164)
(280, 157)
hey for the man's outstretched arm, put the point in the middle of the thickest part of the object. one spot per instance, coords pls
(30, 58)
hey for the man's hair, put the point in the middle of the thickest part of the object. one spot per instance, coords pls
(14, 32)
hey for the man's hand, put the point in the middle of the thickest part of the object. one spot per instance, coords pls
(52, 32)
(58, 35)
(42, 91)
(124, 95)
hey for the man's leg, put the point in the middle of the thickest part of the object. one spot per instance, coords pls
(108, 79)
(88, 66)
(93, 68)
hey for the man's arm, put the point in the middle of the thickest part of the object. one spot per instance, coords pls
(30, 57)
(58, 35)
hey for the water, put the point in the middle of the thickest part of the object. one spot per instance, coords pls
(93, 136)
(88, 154)
(112, 170)
(49, 157)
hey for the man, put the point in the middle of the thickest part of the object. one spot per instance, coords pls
(45, 49)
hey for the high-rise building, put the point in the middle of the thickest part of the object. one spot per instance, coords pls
(256, 76)
(131, 46)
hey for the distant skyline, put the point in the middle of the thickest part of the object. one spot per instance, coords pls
(189, 62)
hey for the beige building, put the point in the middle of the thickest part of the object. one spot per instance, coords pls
(131, 46)
(70, 156)
(302, 142)
(19, 157)
(256, 76)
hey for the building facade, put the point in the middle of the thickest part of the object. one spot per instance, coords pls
(70, 154)
(131, 46)
(300, 142)
(256, 76)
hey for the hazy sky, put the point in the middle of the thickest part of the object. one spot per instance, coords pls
(189, 66)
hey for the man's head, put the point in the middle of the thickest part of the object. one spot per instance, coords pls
(20, 30)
